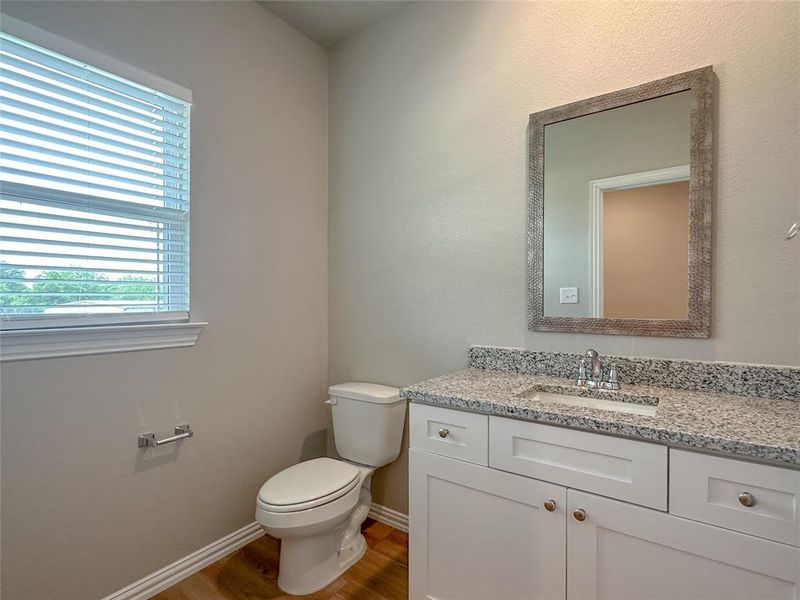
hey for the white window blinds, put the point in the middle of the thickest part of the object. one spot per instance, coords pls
(94, 194)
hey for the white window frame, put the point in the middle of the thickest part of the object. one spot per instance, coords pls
(66, 336)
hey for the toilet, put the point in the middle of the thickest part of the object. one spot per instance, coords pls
(316, 508)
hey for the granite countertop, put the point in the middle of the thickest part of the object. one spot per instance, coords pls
(743, 427)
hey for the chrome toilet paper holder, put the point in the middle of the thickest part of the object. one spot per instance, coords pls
(148, 440)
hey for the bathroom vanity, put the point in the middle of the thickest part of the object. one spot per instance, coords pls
(532, 474)
(521, 486)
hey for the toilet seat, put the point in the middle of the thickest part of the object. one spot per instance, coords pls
(307, 485)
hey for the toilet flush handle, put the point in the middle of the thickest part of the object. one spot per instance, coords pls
(331, 401)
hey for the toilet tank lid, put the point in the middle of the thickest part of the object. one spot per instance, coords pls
(367, 392)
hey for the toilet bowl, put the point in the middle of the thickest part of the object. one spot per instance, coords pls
(316, 507)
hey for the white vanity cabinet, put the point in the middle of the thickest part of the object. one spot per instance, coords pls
(621, 551)
(483, 533)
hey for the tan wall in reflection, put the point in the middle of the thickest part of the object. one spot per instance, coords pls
(646, 252)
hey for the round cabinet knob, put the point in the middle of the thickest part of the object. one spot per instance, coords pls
(579, 514)
(443, 433)
(550, 505)
(747, 499)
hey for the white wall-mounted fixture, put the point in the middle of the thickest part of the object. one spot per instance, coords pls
(568, 295)
(148, 440)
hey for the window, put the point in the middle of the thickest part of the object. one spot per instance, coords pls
(94, 194)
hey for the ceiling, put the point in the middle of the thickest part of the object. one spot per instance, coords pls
(328, 22)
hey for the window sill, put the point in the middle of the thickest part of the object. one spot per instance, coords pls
(80, 341)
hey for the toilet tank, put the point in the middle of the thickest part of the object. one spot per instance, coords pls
(367, 422)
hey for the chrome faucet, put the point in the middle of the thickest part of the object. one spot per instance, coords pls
(592, 372)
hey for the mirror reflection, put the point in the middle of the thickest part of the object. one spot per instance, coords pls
(616, 212)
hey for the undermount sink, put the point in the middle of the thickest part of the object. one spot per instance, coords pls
(635, 405)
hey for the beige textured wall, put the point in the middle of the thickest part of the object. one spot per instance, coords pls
(428, 112)
(646, 252)
(83, 513)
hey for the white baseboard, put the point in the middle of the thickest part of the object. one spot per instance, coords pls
(188, 565)
(389, 516)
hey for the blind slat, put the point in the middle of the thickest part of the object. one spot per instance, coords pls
(101, 303)
(33, 166)
(91, 257)
(98, 295)
(61, 152)
(112, 128)
(33, 95)
(31, 117)
(94, 193)
(100, 180)
(93, 204)
(11, 226)
(13, 174)
(29, 74)
(70, 269)
(104, 84)
(174, 229)
(88, 245)
(82, 145)
(94, 282)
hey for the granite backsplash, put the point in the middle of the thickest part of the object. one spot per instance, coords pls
(762, 381)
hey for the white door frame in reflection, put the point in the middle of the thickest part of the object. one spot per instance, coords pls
(597, 187)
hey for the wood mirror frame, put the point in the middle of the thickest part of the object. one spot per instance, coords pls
(700, 84)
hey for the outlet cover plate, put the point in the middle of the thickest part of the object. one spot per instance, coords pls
(568, 295)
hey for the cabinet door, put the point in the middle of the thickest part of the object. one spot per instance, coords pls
(622, 551)
(476, 533)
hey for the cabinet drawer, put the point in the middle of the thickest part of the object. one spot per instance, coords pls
(450, 433)
(624, 469)
(707, 488)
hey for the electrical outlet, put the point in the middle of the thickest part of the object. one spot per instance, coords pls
(569, 295)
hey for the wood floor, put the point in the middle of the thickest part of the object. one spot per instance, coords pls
(252, 573)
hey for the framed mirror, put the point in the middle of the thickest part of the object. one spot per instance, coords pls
(619, 211)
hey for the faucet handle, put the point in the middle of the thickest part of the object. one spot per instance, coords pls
(611, 379)
(582, 375)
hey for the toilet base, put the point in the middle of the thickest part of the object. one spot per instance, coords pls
(310, 562)
(308, 565)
